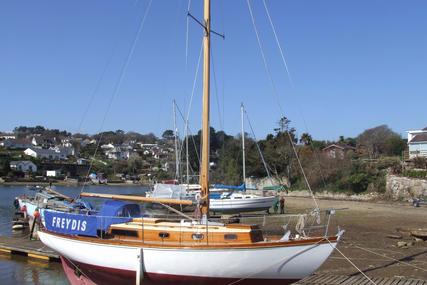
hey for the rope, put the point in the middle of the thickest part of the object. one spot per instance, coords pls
(284, 260)
(117, 86)
(390, 258)
(354, 265)
(278, 100)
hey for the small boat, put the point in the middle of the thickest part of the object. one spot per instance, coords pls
(420, 233)
(47, 198)
(241, 202)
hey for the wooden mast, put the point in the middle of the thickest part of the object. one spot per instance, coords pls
(204, 171)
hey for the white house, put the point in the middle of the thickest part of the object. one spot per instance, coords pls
(6, 136)
(417, 143)
(53, 173)
(23, 165)
(117, 153)
(45, 153)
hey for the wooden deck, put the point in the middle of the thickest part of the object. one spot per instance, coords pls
(27, 247)
(327, 279)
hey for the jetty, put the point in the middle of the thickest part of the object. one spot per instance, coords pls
(328, 279)
(27, 247)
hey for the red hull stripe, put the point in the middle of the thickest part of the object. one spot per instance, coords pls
(103, 275)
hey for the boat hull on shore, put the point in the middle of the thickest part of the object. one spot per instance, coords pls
(113, 263)
(243, 204)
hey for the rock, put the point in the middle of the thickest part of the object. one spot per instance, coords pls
(394, 236)
(418, 239)
(404, 244)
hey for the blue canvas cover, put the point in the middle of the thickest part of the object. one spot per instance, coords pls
(116, 212)
(230, 187)
(70, 223)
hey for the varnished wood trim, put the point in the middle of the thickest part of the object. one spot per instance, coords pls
(199, 245)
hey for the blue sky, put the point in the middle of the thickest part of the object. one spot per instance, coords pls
(354, 64)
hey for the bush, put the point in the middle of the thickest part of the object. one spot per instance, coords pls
(416, 174)
(420, 162)
(358, 182)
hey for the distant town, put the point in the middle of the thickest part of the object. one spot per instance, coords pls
(37, 154)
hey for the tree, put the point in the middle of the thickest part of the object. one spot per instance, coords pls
(306, 139)
(168, 135)
(374, 139)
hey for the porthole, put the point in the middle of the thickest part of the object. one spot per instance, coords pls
(197, 236)
(163, 235)
(230, 237)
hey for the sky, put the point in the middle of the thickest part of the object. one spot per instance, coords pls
(352, 65)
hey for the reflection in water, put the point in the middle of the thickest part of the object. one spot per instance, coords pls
(21, 270)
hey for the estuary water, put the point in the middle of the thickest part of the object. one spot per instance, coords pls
(21, 270)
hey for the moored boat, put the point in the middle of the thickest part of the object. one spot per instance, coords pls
(190, 250)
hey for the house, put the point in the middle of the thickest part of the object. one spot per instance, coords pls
(67, 151)
(53, 173)
(7, 136)
(35, 141)
(417, 143)
(117, 153)
(337, 150)
(45, 153)
(82, 161)
(23, 165)
(106, 147)
(16, 143)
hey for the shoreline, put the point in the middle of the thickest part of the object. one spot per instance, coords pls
(19, 183)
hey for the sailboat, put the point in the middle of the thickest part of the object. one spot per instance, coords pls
(235, 199)
(189, 250)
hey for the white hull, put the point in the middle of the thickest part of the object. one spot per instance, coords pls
(279, 262)
(254, 203)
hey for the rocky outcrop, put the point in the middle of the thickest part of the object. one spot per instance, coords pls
(260, 183)
(404, 188)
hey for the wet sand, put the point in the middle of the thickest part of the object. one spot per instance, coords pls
(367, 225)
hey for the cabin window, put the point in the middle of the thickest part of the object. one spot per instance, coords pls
(237, 197)
(163, 235)
(125, 233)
(197, 236)
(230, 237)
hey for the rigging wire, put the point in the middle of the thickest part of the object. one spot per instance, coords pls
(190, 132)
(194, 84)
(221, 125)
(118, 85)
(275, 92)
(259, 149)
(186, 35)
(292, 86)
(95, 91)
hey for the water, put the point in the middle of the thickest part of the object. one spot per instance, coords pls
(21, 270)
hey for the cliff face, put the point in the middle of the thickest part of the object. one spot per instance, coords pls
(404, 188)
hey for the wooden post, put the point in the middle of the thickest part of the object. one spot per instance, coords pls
(139, 266)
